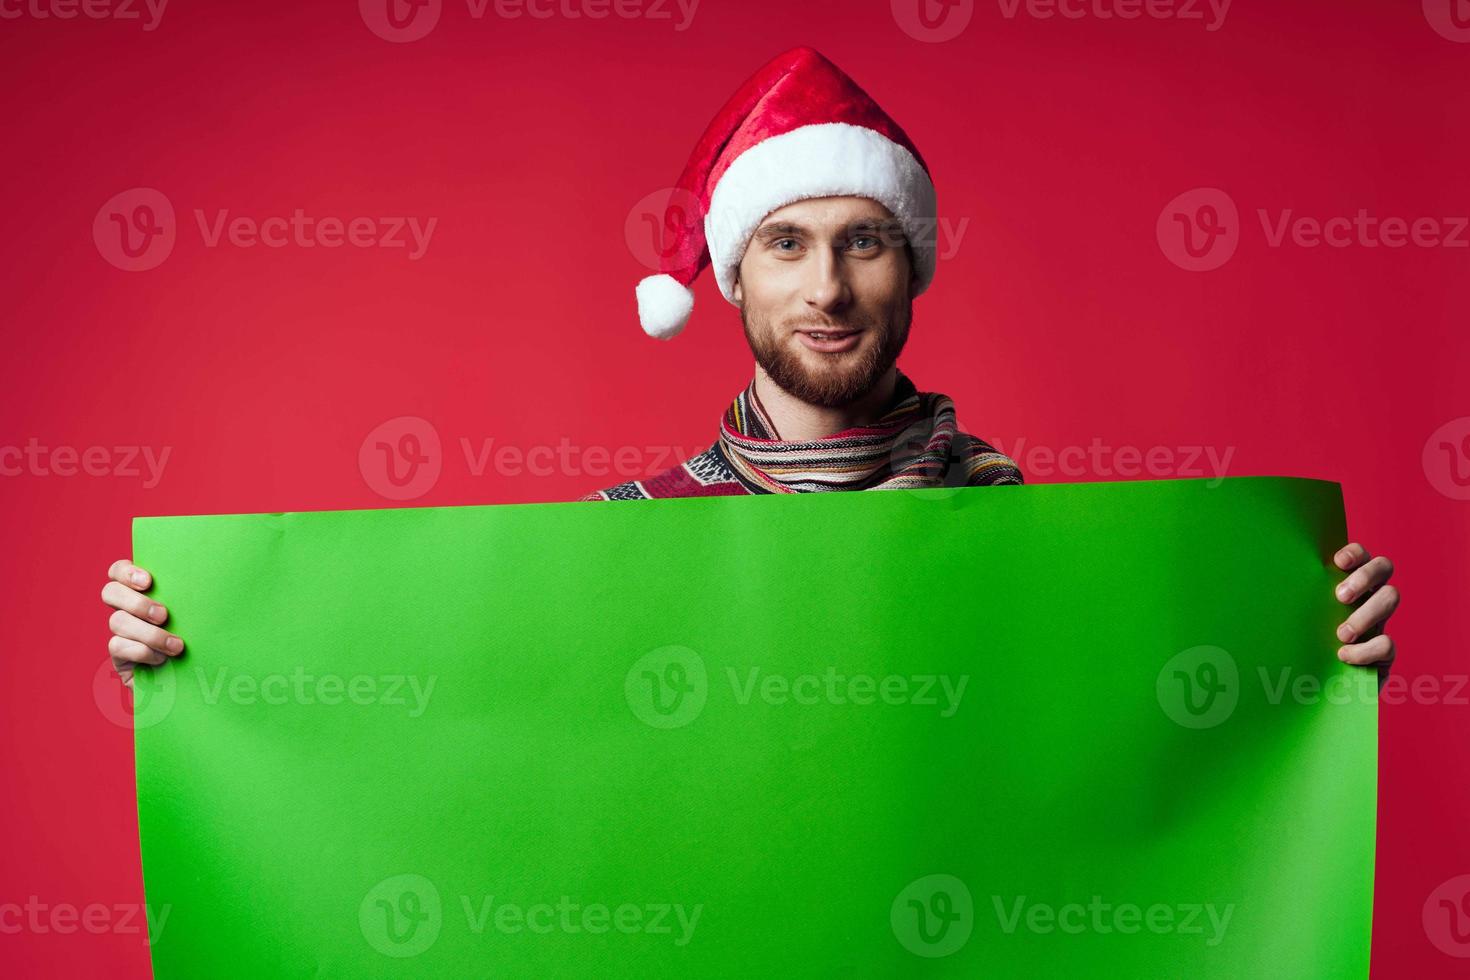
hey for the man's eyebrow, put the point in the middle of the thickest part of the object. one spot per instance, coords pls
(782, 229)
(779, 229)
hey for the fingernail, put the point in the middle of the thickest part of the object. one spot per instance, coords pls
(1345, 633)
(1344, 593)
(156, 613)
(1342, 654)
(1343, 560)
(139, 578)
(175, 645)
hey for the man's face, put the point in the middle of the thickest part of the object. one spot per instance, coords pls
(825, 291)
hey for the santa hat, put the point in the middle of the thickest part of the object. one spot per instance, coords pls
(799, 128)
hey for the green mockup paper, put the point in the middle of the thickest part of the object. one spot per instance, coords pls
(1080, 730)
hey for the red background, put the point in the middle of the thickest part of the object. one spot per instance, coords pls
(1059, 319)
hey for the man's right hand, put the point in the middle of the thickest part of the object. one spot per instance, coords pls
(137, 636)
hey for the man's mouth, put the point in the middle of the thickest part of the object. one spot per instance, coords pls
(830, 341)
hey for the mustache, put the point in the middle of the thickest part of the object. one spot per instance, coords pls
(820, 325)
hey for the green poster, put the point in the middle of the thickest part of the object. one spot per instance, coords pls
(1068, 730)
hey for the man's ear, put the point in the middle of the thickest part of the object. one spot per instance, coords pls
(735, 290)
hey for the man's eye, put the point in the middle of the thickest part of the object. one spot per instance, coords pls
(871, 242)
(784, 241)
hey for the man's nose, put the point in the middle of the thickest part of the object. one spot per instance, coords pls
(826, 286)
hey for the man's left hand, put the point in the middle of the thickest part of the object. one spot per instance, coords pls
(1366, 643)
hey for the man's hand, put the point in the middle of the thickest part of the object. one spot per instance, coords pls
(136, 636)
(1366, 643)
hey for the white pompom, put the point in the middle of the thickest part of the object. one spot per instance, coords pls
(664, 305)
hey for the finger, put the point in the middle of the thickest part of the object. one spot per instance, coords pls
(1378, 650)
(125, 651)
(130, 627)
(121, 597)
(1350, 556)
(129, 574)
(1371, 614)
(1365, 579)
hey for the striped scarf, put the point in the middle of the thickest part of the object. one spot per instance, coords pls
(913, 445)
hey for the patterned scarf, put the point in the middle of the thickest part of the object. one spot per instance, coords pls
(909, 447)
(915, 444)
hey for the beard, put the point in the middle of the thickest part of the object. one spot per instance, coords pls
(840, 379)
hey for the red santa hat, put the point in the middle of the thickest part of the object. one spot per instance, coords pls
(799, 128)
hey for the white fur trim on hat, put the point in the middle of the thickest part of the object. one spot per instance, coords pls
(821, 160)
(664, 305)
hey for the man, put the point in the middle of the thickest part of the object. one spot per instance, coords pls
(817, 214)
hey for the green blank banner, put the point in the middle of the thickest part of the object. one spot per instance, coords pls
(1068, 730)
